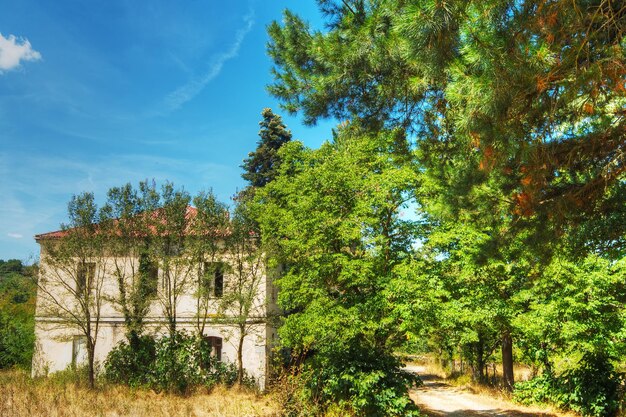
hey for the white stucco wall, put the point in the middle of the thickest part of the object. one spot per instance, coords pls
(54, 339)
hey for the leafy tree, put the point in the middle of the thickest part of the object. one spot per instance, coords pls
(243, 305)
(206, 242)
(11, 266)
(487, 255)
(129, 238)
(262, 165)
(170, 224)
(573, 331)
(334, 217)
(17, 310)
(74, 264)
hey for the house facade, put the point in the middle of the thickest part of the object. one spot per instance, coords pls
(193, 293)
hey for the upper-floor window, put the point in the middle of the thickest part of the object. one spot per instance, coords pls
(85, 275)
(148, 276)
(213, 278)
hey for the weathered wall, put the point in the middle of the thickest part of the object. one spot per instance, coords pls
(54, 338)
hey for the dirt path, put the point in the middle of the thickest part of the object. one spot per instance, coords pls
(438, 399)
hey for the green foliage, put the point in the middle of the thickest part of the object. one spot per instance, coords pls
(334, 217)
(11, 265)
(592, 388)
(576, 310)
(262, 165)
(515, 111)
(152, 235)
(17, 310)
(531, 91)
(175, 364)
(17, 339)
(369, 384)
(72, 281)
(131, 363)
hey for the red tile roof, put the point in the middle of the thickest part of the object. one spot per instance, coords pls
(190, 214)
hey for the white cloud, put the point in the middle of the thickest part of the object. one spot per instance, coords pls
(15, 235)
(183, 94)
(15, 50)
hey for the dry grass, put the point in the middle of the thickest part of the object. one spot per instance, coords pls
(22, 396)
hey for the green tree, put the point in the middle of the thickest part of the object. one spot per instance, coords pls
(262, 165)
(17, 312)
(170, 224)
(74, 264)
(128, 240)
(206, 245)
(244, 303)
(334, 216)
(535, 88)
(572, 330)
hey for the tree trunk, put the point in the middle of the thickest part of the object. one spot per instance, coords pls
(240, 359)
(479, 366)
(507, 360)
(90, 360)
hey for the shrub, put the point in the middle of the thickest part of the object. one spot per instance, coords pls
(174, 364)
(592, 388)
(17, 339)
(131, 365)
(369, 384)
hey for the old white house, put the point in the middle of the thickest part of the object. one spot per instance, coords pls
(94, 285)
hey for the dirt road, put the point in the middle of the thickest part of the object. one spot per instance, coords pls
(438, 399)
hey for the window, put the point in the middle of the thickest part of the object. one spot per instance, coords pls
(218, 287)
(79, 351)
(148, 276)
(216, 346)
(85, 274)
(213, 278)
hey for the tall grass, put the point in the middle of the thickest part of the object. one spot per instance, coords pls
(65, 395)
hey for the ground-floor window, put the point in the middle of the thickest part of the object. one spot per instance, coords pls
(216, 346)
(79, 351)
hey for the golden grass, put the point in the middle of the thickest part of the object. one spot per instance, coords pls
(22, 396)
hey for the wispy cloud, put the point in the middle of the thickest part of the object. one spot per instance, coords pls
(15, 50)
(34, 200)
(183, 94)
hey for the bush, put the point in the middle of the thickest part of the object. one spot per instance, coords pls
(131, 365)
(592, 388)
(369, 384)
(174, 364)
(17, 339)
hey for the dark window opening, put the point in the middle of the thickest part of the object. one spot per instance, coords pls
(85, 274)
(213, 278)
(216, 346)
(219, 282)
(148, 276)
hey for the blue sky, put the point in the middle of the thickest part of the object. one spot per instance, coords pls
(97, 94)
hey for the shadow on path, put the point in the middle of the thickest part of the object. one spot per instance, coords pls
(438, 399)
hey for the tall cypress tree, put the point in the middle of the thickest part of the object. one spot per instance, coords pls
(261, 165)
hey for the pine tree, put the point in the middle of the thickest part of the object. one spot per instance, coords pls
(533, 91)
(261, 165)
